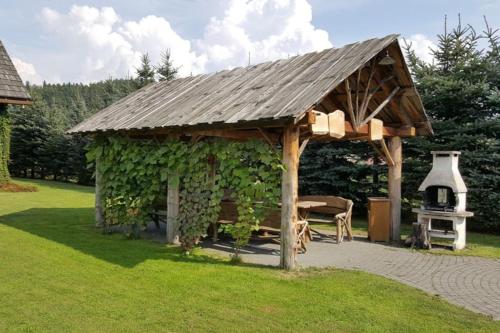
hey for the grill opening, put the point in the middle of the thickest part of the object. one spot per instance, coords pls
(443, 225)
(440, 198)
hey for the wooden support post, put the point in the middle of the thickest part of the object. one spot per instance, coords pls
(289, 196)
(394, 182)
(99, 212)
(172, 209)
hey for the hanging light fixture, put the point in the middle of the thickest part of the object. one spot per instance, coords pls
(387, 60)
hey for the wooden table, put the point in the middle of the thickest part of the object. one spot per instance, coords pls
(308, 204)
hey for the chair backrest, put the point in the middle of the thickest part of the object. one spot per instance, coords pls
(228, 211)
(273, 218)
(334, 205)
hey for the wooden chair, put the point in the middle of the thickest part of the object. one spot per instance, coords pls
(272, 225)
(338, 210)
(228, 215)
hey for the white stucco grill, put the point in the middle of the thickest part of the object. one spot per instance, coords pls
(445, 194)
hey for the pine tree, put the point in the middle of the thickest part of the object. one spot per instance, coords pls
(145, 73)
(166, 70)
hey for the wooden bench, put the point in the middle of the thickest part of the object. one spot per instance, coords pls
(270, 226)
(337, 211)
(158, 215)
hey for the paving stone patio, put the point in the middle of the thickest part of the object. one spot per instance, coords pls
(471, 282)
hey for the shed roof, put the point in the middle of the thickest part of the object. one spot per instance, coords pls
(11, 85)
(285, 88)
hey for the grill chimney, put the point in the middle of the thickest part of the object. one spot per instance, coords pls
(444, 189)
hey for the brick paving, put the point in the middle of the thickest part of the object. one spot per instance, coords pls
(471, 282)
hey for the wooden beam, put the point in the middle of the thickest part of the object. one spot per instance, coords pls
(388, 155)
(267, 137)
(303, 145)
(14, 101)
(173, 209)
(394, 186)
(377, 149)
(237, 135)
(276, 124)
(366, 100)
(358, 81)
(404, 91)
(387, 131)
(364, 133)
(350, 108)
(99, 211)
(373, 91)
(381, 106)
(289, 196)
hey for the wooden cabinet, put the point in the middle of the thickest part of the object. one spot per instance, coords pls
(379, 219)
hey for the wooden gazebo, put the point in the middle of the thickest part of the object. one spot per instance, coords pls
(362, 91)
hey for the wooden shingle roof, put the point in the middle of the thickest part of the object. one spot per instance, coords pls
(12, 90)
(276, 90)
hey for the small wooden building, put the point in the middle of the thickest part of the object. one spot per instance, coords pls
(362, 91)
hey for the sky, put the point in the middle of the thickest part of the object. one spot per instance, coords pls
(89, 40)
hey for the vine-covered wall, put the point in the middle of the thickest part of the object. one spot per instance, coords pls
(4, 144)
(135, 174)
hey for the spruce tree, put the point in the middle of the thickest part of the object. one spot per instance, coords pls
(166, 70)
(30, 136)
(145, 73)
(460, 91)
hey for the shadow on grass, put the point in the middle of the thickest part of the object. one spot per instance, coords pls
(56, 184)
(73, 227)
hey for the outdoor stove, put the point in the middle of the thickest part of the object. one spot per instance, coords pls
(444, 198)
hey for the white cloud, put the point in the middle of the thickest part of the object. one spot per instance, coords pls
(422, 46)
(97, 43)
(100, 44)
(267, 29)
(27, 71)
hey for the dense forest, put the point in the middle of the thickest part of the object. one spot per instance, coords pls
(39, 146)
(460, 90)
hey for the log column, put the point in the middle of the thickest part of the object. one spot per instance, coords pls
(394, 184)
(289, 196)
(99, 212)
(173, 209)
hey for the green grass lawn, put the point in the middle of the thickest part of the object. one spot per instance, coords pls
(58, 273)
(479, 245)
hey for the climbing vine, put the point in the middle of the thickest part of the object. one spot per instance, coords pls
(136, 172)
(4, 144)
